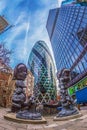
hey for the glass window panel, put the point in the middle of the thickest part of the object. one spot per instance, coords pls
(81, 67)
(77, 69)
(84, 62)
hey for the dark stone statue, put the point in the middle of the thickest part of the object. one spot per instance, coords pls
(30, 111)
(68, 107)
(24, 109)
(19, 96)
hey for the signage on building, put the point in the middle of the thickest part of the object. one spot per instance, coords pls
(78, 86)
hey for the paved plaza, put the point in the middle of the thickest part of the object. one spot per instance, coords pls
(73, 124)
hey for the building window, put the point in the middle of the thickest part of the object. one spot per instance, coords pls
(82, 35)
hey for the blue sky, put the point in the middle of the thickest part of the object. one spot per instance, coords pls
(29, 18)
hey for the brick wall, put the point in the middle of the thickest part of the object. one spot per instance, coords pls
(7, 86)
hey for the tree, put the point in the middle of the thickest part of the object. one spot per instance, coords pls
(4, 54)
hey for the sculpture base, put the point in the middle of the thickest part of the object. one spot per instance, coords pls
(12, 117)
(27, 115)
(67, 117)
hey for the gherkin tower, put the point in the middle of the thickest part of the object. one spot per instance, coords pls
(41, 65)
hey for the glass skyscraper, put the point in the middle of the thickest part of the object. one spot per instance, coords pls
(41, 65)
(69, 42)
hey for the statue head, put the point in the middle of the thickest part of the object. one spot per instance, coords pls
(20, 72)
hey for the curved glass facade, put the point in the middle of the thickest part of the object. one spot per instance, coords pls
(41, 65)
(69, 39)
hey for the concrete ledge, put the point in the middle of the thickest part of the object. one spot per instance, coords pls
(12, 117)
(67, 117)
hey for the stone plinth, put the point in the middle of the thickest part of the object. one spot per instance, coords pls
(12, 117)
(67, 117)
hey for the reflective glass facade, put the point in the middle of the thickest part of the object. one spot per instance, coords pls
(68, 2)
(69, 40)
(42, 66)
(52, 21)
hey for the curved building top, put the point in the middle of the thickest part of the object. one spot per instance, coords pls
(42, 66)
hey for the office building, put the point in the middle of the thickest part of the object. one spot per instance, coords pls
(69, 42)
(41, 65)
(29, 84)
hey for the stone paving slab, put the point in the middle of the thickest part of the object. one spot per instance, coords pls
(7, 127)
(73, 124)
(1, 128)
(20, 129)
(67, 117)
(36, 127)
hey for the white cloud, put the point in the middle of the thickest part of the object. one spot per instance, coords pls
(19, 26)
(20, 19)
(2, 5)
(19, 53)
(32, 26)
(6, 3)
(16, 41)
(59, 2)
(40, 32)
(15, 32)
(49, 3)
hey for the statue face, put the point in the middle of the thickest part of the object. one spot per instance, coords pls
(20, 72)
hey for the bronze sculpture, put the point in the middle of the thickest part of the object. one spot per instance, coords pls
(24, 109)
(68, 107)
(19, 96)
